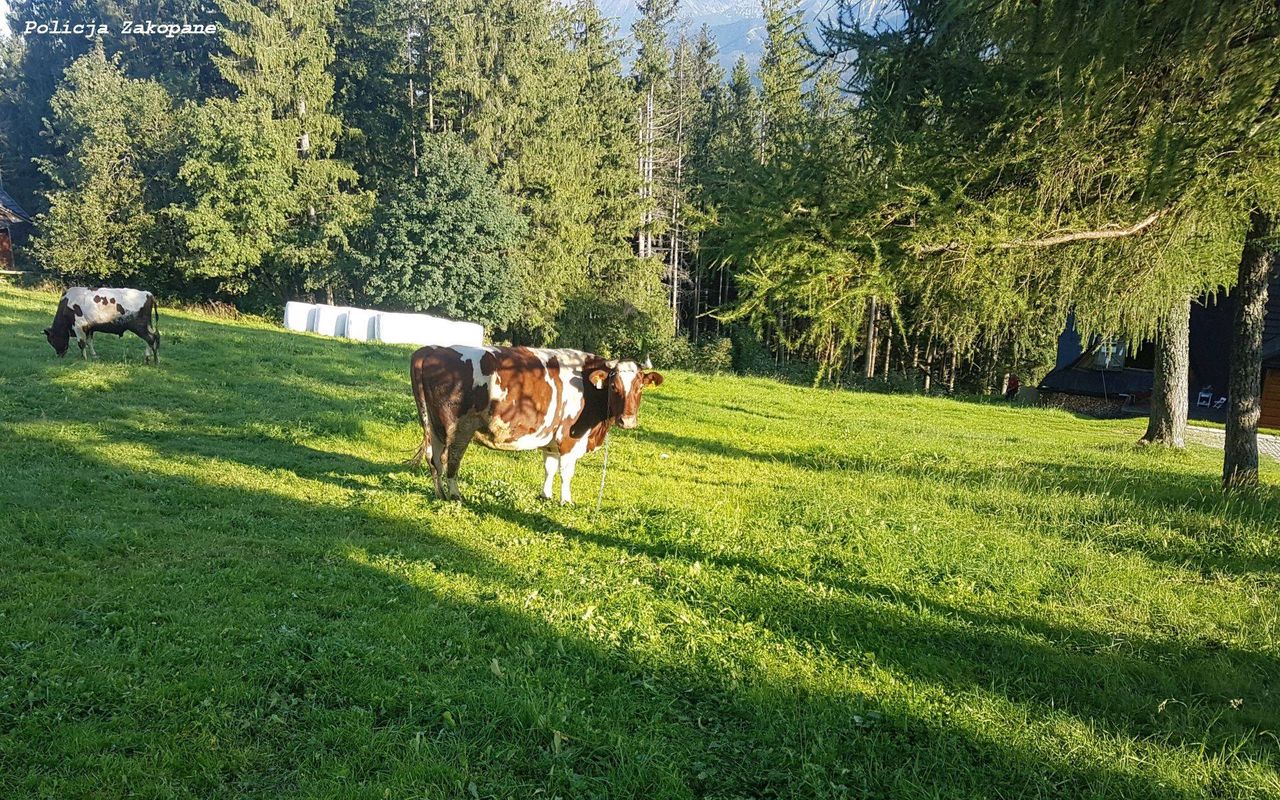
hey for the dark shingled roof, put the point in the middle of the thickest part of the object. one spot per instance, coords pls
(1079, 378)
(10, 211)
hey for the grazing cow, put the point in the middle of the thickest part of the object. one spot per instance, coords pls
(562, 402)
(85, 312)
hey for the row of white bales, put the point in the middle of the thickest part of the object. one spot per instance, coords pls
(368, 325)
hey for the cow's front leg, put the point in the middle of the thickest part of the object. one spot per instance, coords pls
(550, 465)
(568, 462)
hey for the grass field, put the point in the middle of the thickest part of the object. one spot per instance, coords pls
(217, 579)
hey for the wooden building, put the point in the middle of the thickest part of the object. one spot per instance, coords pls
(1106, 380)
(1271, 357)
(13, 224)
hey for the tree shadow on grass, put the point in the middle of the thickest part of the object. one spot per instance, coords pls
(1122, 682)
(1185, 503)
(233, 639)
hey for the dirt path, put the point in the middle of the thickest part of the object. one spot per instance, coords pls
(1268, 445)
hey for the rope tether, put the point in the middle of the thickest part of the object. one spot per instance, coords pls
(603, 469)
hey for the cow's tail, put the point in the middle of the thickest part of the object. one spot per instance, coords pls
(154, 324)
(420, 398)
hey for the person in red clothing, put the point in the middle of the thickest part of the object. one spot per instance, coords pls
(1012, 389)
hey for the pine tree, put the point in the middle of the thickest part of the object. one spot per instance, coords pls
(237, 200)
(706, 130)
(652, 72)
(616, 305)
(32, 67)
(782, 77)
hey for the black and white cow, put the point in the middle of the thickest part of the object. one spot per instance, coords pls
(84, 312)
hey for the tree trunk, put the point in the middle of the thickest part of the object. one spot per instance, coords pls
(872, 321)
(1244, 405)
(928, 364)
(1168, 423)
(888, 348)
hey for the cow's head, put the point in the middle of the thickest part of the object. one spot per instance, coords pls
(624, 381)
(59, 337)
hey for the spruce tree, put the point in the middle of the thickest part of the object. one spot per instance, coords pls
(279, 57)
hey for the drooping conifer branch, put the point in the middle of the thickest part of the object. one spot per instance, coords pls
(1051, 241)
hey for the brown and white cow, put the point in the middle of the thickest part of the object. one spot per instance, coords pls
(562, 402)
(84, 312)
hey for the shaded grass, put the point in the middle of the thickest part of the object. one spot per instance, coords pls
(216, 578)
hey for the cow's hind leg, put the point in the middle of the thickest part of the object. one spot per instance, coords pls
(457, 445)
(435, 457)
(152, 354)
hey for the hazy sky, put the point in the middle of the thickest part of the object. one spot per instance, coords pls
(4, 18)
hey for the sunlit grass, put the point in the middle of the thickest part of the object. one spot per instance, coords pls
(217, 578)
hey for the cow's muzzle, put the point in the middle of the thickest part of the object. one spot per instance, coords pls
(629, 423)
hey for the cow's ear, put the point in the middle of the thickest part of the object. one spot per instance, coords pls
(598, 377)
(653, 379)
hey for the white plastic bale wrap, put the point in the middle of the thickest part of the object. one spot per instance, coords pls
(330, 320)
(423, 329)
(362, 324)
(297, 316)
(368, 325)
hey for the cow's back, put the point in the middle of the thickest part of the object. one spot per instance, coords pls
(107, 306)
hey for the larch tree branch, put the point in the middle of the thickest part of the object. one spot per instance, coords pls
(1051, 241)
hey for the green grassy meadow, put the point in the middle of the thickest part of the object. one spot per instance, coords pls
(217, 579)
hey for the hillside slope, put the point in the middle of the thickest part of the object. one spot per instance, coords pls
(217, 578)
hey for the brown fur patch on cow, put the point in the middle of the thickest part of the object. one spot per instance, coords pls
(524, 378)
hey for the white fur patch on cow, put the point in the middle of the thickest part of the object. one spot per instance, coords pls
(473, 355)
(574, 398)
(568, 464)
(112, 305)
(627, 372)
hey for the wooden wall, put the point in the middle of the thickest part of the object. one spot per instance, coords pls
(1270, 399)
(6, 249)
